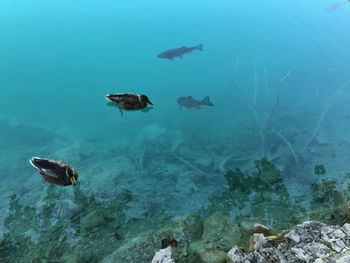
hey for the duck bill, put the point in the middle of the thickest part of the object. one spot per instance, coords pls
(73, 180)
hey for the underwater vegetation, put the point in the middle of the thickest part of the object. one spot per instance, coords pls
(330, 201)
(84, 232)
(94, 230)
(260, 197)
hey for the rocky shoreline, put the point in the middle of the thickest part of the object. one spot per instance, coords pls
(310, 241)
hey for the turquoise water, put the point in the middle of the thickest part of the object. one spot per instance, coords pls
(276, 72)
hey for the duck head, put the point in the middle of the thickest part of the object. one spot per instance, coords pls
(144, 98)
(55, 172)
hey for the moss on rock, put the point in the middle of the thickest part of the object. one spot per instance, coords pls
(204, 252)
(221, 231)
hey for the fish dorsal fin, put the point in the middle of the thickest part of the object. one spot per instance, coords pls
(190, 97)
(183, 47)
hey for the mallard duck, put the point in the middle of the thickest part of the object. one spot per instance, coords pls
(55, 172)
(128, 101)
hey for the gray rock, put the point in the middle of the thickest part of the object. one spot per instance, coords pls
(257, 241)
(310, 241)
(163, 256)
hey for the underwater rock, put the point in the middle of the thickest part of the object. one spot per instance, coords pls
(257, 241)
(142, 248)
(219, 234)
(310, 241)
(258, 228)
(220, 230)
(163, 256)
(69, 258)
(92, 222)
(254, 228)
(207, 253)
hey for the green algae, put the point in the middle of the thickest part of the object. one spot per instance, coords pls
(207, 253)
(93, 231)
(220, 230)
(142, 247)
(100, 231)
(219, 233)
(262, 197)
(320, 169)
(266, 177)
(259, 191)
(267, 174)
(329, 204)
(34, 236)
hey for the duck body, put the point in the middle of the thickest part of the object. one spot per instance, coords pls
(129, 101)
(55, 172)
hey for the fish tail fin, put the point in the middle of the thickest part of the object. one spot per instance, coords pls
(206, 101)
(200, 47)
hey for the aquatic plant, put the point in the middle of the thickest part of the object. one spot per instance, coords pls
(143, 244)
(256, 194)
(19, 222)
(267, 176)
(65, 233)
(329, 202)
(46, 235)
(219, 233)
(320, 169)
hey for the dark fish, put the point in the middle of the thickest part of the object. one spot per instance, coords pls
(178, 52)
(128, 101)
(55, 172)
(189, 102)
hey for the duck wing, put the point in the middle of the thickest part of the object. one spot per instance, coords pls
(130, 98)
(124, 98)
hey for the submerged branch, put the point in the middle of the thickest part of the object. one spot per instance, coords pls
(189, 165)
(231, 157)
(277, 101)
(325, 111)
(289, 145)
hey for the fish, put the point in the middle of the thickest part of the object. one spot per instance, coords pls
(188, 102)
(55, 172)
(178, 52)
(129, 101)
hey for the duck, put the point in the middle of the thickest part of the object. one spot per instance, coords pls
(128, 101)
(54, 171)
